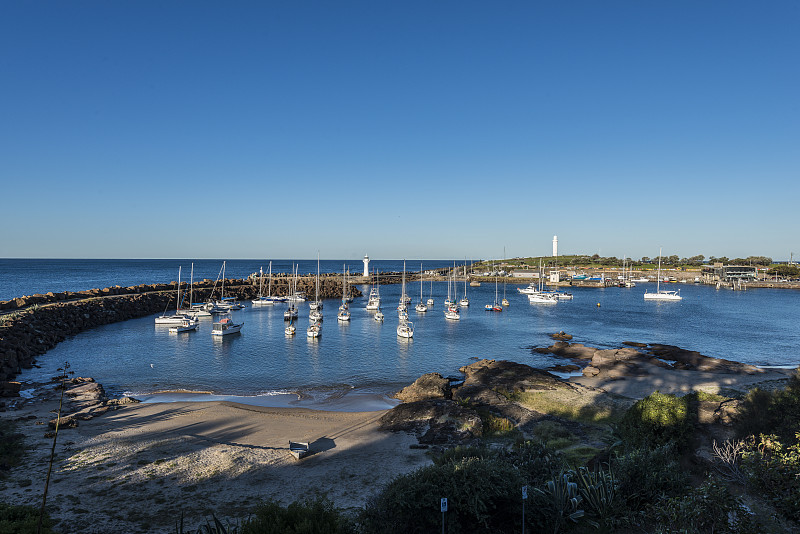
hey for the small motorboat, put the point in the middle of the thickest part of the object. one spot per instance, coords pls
(185, 326)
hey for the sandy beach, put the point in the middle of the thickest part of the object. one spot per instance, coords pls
(138, 468)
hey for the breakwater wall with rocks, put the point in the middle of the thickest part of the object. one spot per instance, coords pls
(32, 325)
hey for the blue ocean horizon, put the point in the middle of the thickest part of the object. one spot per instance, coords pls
(20, 276)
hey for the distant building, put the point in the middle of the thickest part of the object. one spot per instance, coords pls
(729, 273)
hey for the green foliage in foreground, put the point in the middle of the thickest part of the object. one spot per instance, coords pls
(646, 475)
(773, 468)
(482, 487)
(312, 516)
(707, 508)
(22, 520)
(658, 420)
(771, 412)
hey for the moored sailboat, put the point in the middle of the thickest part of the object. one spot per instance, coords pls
(662, 294)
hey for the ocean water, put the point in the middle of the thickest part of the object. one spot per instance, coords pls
(757, 326)
(29, 276)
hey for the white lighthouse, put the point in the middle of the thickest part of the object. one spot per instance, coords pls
(366, 266)
(555, 246)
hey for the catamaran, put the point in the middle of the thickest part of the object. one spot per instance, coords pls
(661, 294)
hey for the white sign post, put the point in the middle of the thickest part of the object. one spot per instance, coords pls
(524, 498)
(444, 510)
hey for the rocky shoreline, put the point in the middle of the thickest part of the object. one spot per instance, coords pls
(443, 411)
(32, 325)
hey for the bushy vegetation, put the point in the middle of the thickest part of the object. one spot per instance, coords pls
(644, 475)
(659, 420)
(708, 508)
(482, 487)
(311, 516)
(771, 412)
(770, 423)
(22, 520)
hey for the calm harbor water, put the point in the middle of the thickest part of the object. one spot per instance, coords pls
(136, 357)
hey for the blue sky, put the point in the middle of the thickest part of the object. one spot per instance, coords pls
(405, 129)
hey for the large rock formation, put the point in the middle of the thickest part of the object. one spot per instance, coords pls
(429, 412)
(429, 386)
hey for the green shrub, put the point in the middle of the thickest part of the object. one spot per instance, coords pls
(562, 501)
(311, 516)
(646, 475)
(657, 420)
(771, 412)
(599, 491)
(707, 508)
(483, 488)
(22, 520)
(773, 468)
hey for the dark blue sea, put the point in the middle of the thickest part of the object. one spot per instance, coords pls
(757, 326)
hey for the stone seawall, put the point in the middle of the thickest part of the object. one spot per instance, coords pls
(32, 325)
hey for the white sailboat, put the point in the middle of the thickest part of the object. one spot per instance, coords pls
(661, 294)
(421, 307)
(177, 318)
(402, 307)
(296, 296)
(344, 310)
(451, 312)
(430, 301)
(269, 300)
(374, 300)
(449, 301)
(496, 307)
(464, 302)
(315, 328)
(405, 328)
(290, 329)
(225, 304)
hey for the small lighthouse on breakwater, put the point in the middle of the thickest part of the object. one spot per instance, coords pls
(366, 266)
(555, 246)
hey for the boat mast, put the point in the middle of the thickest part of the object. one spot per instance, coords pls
(178, 300)
(222, 290)
(658, 274)
(269, 289)
(191, 285)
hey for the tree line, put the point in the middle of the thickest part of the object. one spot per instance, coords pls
(673, 260)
